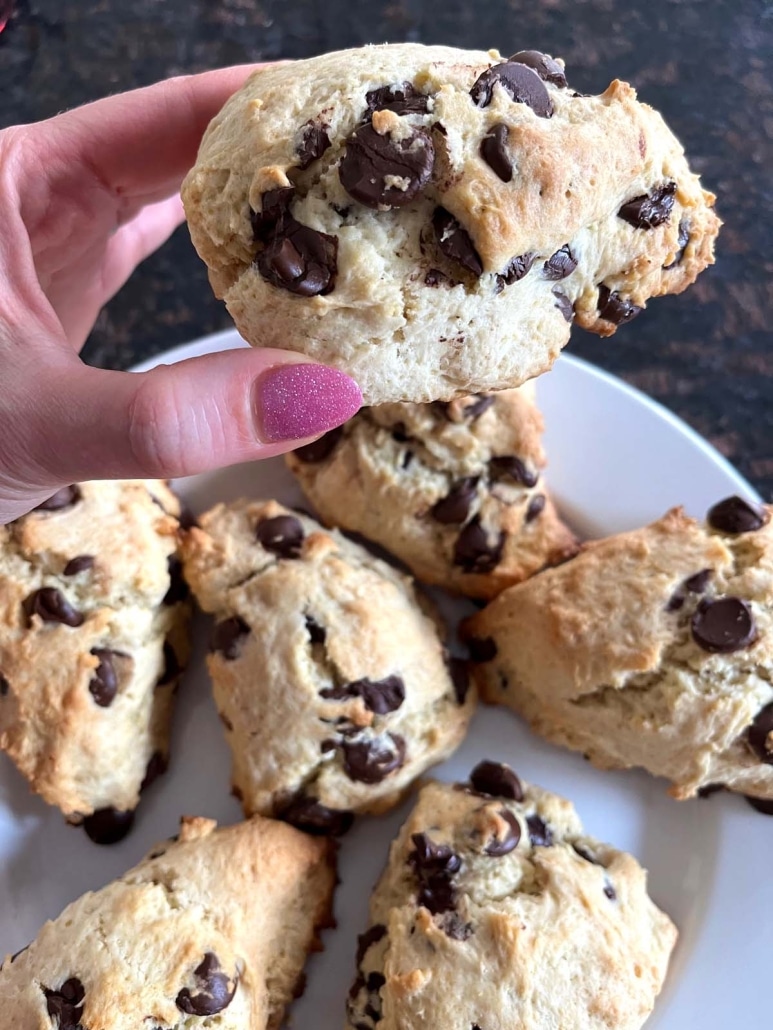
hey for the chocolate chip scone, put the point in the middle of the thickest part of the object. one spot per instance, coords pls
(432, 220)
(497, 910)
(452, 489)
(93, 640)
(331, 680)
(212, 928)
(652, 648)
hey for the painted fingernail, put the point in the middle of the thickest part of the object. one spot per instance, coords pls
(295, 401)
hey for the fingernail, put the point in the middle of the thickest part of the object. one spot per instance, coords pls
(295, 401)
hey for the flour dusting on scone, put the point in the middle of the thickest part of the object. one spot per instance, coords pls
(332, 682)
(496, 909)
(653, 648)
(432, 220)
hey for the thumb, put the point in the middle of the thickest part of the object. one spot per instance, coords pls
(177, 420)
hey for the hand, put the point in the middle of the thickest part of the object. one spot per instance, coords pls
(84, 198)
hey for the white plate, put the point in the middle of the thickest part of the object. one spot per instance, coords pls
(617, 460)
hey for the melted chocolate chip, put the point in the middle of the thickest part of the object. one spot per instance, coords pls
(299, 259)
(104, 683)
(371, 761)
(366, 940)
(318, 450)
(402, 99)
(514, 271)
(496, 780)
(496, 848)
(373, 160)
(65, 1005)
(64, 498)
(482, 649)
(454, 508)
(493, 150)
(736, 515)
(379, 696)
(681, 241)
(308, 814)
(517, 79)
(763, 805)
(760, 734)
(563, 304)
(281, 535)
(614, 308)
(547, 67)
(228, 637)
(5, 686)
(510, 467)
(693, 584)
(539, 832)
(52, 606)
(560, 265)
(457, 668)
(213, 992)
(723, 625)
(434, 865)
(651, 209)
(108, 825)
(178, 588)
(313, 143)
(535, 507)
(317, 633)
(274, 213)
(157, 766)
(454, 926)
(80, 563)
(455, 242)
(474, 551)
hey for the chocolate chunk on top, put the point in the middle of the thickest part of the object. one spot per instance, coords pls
(511, 467)
(379, 696)
(65, 1004)
(614, 308)
(213, 990)
(275, 211)
(434, 866)
(723, 625)
(308, 814)
(454, 508)
(496, 780)
(514, 270)
(737, 515)
(313, 143)
(561, 264)
(651, 209)
(547, 67)
(104, 683)
(521, 82)
(299, 259)
(282, 535)
(499, 846)
(80, 563)
(493, 150)
(455, 242)
(402, 99)
(108, 825)
(539, 832)
(52, 606)
(381, 170)
(228, 637)
(371, 761)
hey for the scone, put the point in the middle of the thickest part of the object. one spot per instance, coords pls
(432, 220)
(211, 929)
(453, 490)
(652, 648)
(93, 640)
(331, 681)
(496, 910)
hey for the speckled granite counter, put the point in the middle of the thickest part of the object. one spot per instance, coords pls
(705, 63)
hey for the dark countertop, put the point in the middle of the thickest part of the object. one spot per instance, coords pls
(706, 64)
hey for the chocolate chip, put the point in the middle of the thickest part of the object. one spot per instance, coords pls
(313, 144)
(614, 308)
(52, 606)
(108, 825)
(371, 761)
(157, 766)
(300, 259)
(172, 668)
(760, 734)
(454, 926)
(371, 159)
(306, 813)
(473, 411)
(681, 241)
(316, 451)
(281, 535)
(65, 1005)
(435, 277)
(5, 686)
(535, 507)
(178, 588)
(400, 433)
(510, 467)
(723, 625)
(693, 584)
(317, 633)
(709, 789)
(496, 780)
(474, 551)
(368, 939)
(187, 519)
(482, 649)
(104, 683)
(434, 865)
(563, 304)
(517, 79)
(454, 508)
(651, 209)
(455, 242)
(736, 515)
(64, 498)
(764, 805)
(228, 637)
(457, 668)
(493, 150)
(610, 891)
(560, 265)
(380, 696)
(80, 563)
(275, 211)
(402, 99)
(214, 989)
(496, 848)
(585, 854)
(547, 67)
(539, 832)
(514, 271)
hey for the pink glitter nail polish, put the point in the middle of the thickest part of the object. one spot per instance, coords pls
(292, 402)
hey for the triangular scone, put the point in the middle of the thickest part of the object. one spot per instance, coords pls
(93, 641)
(213, 927)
